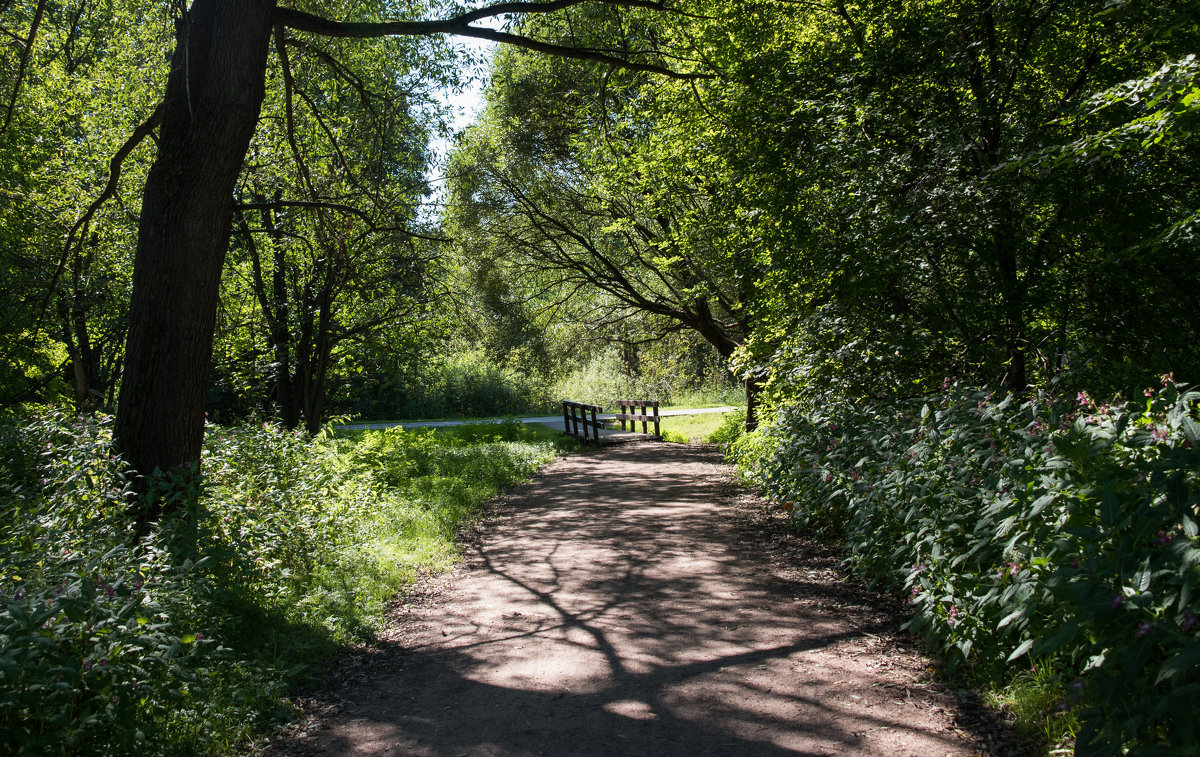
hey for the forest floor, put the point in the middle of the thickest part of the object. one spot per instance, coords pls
(633, 600)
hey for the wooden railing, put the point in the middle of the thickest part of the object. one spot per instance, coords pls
(581, 421)
(626, 414)
(575, 418)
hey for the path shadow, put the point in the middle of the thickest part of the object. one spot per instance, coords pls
(616, 609)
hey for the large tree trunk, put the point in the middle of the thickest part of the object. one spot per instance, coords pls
(212, 103)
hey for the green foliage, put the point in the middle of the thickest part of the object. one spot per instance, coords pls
(101, 638)
(730, 430)
(568, 201)
(190, 634)
(1064, 530)
(662, 374)
(1034, 698)
(470, 383)
(90, 70)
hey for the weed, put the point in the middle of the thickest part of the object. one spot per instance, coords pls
(193, 633)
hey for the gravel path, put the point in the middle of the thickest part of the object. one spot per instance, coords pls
(633, 601)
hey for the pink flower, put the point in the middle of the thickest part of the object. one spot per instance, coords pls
(1162, 539)
(1148, 392)
(954, 611)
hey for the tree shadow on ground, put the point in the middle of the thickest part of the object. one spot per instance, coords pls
(616, 609)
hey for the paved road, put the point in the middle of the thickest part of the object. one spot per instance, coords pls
(553, 421)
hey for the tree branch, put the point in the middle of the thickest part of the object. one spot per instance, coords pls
(460, 25)
(25, 55)
(79, 230)
(325, 205)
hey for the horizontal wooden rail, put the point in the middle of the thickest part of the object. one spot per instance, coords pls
(626, 414)
(575, 419)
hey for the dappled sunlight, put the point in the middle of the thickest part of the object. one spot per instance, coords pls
(627, 615)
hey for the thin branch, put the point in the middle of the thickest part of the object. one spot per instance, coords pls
(79, 230)
(25, 55)
(324, 205)
(289, 110)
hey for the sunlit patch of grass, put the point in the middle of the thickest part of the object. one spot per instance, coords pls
(1040, 706)
(691, 429)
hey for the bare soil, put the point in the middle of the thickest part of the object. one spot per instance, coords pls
(634, 601)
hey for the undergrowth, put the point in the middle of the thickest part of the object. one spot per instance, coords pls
(1061, 530)
(114, 643)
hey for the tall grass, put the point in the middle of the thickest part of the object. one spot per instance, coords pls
(115, 643)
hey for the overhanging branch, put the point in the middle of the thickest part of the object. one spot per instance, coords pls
(339, 207)
(461, 26)
(79, 229)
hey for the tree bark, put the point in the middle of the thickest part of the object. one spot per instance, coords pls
(753, 390)
(213, 98)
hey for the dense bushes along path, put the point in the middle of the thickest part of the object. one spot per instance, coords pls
(625, 603)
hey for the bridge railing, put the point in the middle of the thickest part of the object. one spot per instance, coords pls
(577, 423)
(627, 408)
(583, 421)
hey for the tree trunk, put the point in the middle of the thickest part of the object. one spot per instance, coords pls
(212, 103)
(322, 353)
(1012, 295)
(753, 389)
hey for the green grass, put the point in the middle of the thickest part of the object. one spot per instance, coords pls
(692, 429)
(1035, 701)
(733, 395)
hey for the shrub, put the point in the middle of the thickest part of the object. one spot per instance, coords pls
(100, 641)
(731, 428)
(1066, 530)
(115, 642)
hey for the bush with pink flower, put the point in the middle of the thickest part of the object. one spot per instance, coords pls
(1065, 530)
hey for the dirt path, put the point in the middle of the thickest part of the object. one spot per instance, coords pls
(625, 603)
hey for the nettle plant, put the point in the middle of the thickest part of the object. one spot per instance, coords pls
(98, 638)
(1062, 530)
